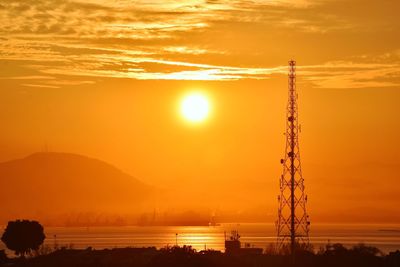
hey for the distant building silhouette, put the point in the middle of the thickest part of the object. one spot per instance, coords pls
(233, 245)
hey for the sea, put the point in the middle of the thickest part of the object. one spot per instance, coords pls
(385, 237)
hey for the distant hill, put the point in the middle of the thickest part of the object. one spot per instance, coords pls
(45, 185)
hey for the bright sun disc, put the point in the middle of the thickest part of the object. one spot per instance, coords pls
(195, 107)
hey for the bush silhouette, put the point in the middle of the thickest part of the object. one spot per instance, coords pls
(3, 257)
(23, 236)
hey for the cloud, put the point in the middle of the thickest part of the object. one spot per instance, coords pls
(86, 61)
(32, 77)
(39, 85)
(182, 40)
(347, 74)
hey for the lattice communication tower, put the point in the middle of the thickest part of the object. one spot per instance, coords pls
(293, 222)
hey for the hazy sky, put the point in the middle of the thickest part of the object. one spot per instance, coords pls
(104, 79)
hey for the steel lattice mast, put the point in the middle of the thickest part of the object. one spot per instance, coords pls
(293, 221)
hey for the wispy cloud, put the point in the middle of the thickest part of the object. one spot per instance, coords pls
(39, 85)
(346, 75)
(179, 40)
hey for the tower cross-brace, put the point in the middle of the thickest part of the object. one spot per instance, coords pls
(293, 221)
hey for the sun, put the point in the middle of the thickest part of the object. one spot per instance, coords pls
(195, 107)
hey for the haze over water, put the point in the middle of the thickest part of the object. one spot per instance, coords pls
(384, 236)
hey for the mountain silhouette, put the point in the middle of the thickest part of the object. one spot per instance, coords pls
(49, 184)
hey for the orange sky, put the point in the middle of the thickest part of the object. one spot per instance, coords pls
(103, 79)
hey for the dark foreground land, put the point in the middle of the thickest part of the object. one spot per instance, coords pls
(336, 255)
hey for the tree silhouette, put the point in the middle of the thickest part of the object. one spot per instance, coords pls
(23, 236)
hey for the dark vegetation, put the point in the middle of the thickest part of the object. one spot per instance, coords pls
(331, 256)
(25, 238)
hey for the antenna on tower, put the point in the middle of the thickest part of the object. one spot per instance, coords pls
(293, 222)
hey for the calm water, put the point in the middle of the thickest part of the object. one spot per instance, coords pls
(385, 237)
